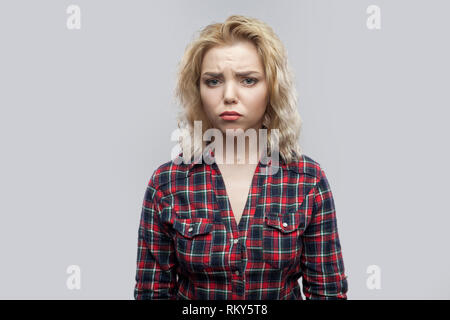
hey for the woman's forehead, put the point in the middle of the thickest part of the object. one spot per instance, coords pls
(238, 59)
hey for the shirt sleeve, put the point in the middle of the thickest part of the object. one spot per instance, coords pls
(321, 261)
(156, 260)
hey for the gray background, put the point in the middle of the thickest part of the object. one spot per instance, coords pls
(86, 117)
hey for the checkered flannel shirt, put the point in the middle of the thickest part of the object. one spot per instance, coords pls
(190, 246)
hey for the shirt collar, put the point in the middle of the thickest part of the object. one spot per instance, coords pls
(209, 158)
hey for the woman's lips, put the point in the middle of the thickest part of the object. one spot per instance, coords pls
(230, 115)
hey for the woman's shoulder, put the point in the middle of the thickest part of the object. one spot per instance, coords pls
(305, 164)
(170, 170)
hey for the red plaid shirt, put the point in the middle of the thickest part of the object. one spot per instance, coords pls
(190, 246)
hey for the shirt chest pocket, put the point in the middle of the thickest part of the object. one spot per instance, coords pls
(282, 241)
(196, 240)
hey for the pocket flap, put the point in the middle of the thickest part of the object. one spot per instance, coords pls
(193, 227)
(286, 221)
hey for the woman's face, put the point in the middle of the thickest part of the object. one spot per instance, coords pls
(232, 79)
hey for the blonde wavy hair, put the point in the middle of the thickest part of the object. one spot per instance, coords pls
(281, 111)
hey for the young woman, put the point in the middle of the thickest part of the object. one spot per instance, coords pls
(238, 229)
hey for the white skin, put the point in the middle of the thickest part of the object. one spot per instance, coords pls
(246, 94)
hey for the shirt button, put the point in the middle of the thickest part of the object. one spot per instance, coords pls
(237, 272)
(236, 241)
(284, 224)
(190, 229)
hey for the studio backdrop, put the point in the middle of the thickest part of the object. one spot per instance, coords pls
(88, 112)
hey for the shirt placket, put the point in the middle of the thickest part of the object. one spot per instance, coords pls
(238, 236)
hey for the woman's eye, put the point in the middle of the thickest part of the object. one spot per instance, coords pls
(208, 82)
(252, 79)
(214, 82)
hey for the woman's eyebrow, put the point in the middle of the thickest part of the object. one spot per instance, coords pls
(240, 74)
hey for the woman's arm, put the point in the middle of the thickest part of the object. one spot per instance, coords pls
(322, 263)
(156, 260)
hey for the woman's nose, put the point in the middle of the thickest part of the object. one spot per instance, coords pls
(230, 93)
